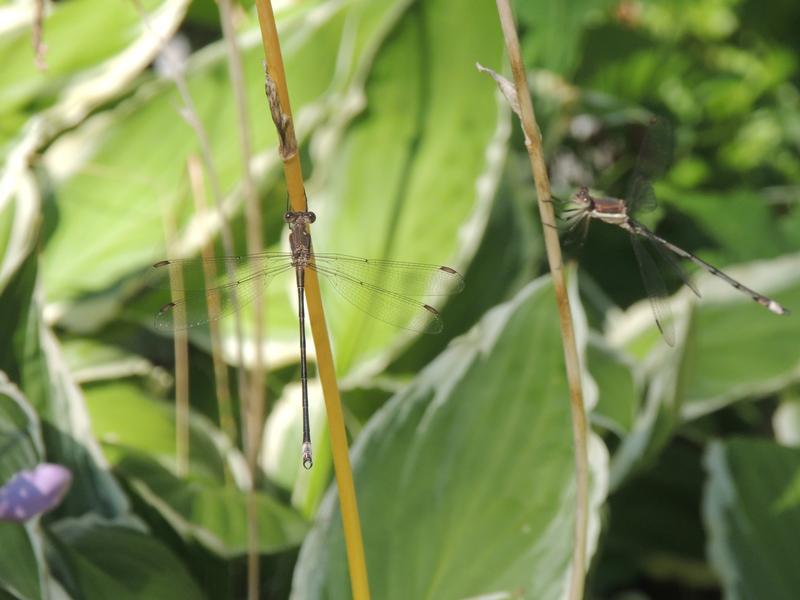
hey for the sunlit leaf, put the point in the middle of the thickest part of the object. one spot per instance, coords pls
(80, 75)
(470, 465)
(395, 185)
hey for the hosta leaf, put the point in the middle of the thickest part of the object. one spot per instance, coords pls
(471, 465)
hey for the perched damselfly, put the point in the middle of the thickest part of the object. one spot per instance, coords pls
(387, 290)
(653, 161)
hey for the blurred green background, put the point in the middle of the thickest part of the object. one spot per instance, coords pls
(462, 443)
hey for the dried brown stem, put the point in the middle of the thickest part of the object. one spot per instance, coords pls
(192, 117)
(255, 404)
(579, 429)
(255, 243)
(39, 46)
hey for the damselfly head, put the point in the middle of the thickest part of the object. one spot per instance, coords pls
(582, 196)
(577, 209)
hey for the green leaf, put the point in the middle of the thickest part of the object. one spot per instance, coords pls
(624, 64)
(720, 217)
(21, 572)
(731, 349)
(21, 447)
(20, 438)
(471, 465)
(496, 272)
(132, 159)
(618, 397)
(656, 422)
(786, 418)
(670, 547)
(106, 560)
(790, 226)
(752, 512)
(38, 104)
(20, 216)
(112, 29)
(396, 186)
(18, 328)
(758, 140)
(138, 436)
(743, 350)
(68, 438)
(95, 358)
(281, 457)
(553, 31)
(124, 418)
(33, 361)
(213, 514)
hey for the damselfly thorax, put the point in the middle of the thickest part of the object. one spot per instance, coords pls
(583, 206)
(299, 237)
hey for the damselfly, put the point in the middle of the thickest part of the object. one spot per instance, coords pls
(387, 290)
(654, 158)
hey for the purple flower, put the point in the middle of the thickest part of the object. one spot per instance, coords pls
(30, 493)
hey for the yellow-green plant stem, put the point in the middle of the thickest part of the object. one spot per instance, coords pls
(533, 144)
(221, 383)
(319, 331)
(181, 343)
(255, 394)
(255, 244)
(189, 113)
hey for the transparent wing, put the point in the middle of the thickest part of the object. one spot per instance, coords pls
(193, 305)
(641, 197)
(655, 289)
(402, 278)
(194, 272)
(655, 157)
(668, 258)
(384, 289)
(381, 303)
